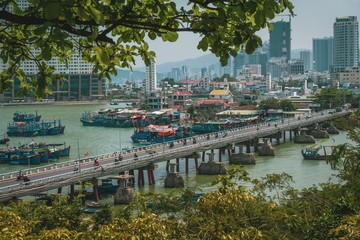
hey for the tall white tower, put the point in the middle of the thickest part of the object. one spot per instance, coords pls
(346, 42)
(150, 82)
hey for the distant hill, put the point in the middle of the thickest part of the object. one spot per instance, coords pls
(163, 69)
(192, 63)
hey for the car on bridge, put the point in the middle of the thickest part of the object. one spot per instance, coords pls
(150, 151)
(308, 116)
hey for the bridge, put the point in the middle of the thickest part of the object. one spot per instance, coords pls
(57, 175)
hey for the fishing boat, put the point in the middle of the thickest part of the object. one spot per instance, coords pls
(313, 153)
(93, 119)
(215, 126)
(160, 133)
(32, 129)
(26, 117)
(4, 140)
(29, 158)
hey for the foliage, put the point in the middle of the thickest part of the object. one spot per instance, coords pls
(191, 110)
(170, 81)
(270, 103)
(287, 105)
(332, 97)
(113, 33)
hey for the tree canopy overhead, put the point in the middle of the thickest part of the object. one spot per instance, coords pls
(111, 33)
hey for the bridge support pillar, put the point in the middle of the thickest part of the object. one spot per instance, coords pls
(95, 190)
(248, 147)
(72, 192)
(278, 141)
(196, 165)
(229, 152)
(151, 178)
(141, 178)
(290, 135)
(203, 157)
(59, 190)
(131, 180)
(220, 152)
(177, 165)
(284, 136)
(211, 167)
(187, 165)
(167, 166)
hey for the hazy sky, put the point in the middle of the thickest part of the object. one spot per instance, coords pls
(314, 19)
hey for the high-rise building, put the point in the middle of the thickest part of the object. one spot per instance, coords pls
(306, 59)
(280, 40)
(80, 84)
(346, 42)
(150, 81)
(322, 53)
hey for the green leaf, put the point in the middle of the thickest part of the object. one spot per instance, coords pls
(102, 56)
(95, 14)
(52, 10)
(46, 53)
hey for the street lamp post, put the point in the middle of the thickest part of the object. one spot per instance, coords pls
(78, 148)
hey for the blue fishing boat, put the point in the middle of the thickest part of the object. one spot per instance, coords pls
(26, 117)
(26, 159)
(215, 126)
(93, 119)
(31, 129)
(160, 133)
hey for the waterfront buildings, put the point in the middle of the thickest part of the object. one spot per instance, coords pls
(322, 53)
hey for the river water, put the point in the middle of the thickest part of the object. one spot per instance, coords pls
(98, 140)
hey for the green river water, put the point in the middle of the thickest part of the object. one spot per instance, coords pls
(98, 140)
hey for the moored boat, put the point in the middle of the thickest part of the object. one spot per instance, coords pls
(26, 117)
(215, 126)
(160, 133)
(312, 153)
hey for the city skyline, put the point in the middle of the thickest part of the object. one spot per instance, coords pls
(314, 19)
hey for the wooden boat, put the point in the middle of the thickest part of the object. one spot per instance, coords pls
(312, 153)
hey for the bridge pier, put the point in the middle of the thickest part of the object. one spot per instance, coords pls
(167, 166)
(203, 156)
(125, 193)
(211, 167)
(196, 165)
(220, 152)
(173, 178)
(59, 190)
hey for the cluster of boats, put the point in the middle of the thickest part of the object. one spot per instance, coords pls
(29, 125)
(125, 118)
(33, 153)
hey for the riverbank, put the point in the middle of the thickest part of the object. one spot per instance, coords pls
(64, 103)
